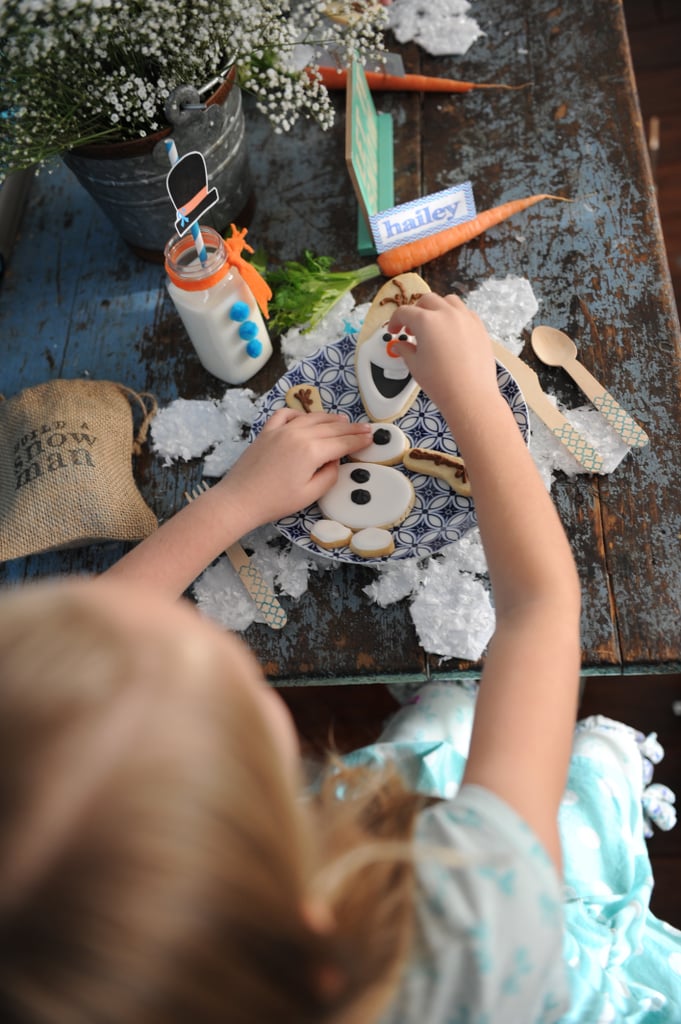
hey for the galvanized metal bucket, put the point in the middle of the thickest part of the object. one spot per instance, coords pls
(128, 180)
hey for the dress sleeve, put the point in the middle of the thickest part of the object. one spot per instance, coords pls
(490, 929)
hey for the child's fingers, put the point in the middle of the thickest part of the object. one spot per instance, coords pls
(325, 477)
(357, 440)
(404, 318)
(319, 426)
(335, 419)
(308, 422)
(411, 316)
(403, 349)
(280, 417)
(337, 443)
(431, 300)
(285, 415)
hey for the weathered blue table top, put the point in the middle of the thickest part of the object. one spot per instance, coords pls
(76, 301)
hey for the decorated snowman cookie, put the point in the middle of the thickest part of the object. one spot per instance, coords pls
(386, 387)
(367, 495)
(366, 500)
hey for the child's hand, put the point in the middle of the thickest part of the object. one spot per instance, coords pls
(292, 462)
(453, 360)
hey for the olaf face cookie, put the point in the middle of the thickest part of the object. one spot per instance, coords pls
(366, 494)
(388, 445)
(386, 387)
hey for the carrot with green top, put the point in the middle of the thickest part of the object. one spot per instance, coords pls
(337, 78)
(406, 257)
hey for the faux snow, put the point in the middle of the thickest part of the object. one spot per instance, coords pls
(505, 305)
(452, 612)
(440, 27)
(448, 593)
(343, 318)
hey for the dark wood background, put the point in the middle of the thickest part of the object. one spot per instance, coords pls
(352, 716)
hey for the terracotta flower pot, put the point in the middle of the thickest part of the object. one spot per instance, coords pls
(128, 179)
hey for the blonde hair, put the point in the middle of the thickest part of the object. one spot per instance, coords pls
(155, 861)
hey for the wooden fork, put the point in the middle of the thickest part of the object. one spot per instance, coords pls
(262, 594)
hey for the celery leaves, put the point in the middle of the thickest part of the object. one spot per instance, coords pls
(304, 292)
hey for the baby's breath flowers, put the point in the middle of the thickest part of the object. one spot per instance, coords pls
(81, 71)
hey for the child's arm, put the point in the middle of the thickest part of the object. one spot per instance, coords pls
(289, 465)
(527, 704)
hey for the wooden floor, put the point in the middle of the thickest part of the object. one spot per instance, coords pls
(352, 716)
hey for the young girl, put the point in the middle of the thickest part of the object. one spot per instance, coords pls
(161, 859)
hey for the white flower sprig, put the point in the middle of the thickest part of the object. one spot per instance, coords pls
(80, 71)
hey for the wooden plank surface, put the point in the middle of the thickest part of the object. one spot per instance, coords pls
(76, 301)
(598, 269)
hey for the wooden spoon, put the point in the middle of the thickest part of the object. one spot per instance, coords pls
(555, 348)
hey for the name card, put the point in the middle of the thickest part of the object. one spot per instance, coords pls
(368, 154)
(421, 217)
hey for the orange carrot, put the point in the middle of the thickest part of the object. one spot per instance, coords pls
(414, 254)
(335, 78)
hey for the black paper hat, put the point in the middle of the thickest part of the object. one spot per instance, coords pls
(187, 183)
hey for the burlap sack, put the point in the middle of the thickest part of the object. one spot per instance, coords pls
(66, 469)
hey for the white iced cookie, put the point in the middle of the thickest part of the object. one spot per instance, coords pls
(372, 543)
(447, 467)
(329, 533)
(366, 495)
(386, 387)
(388, 445)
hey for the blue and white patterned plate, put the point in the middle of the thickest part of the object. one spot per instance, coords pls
(439, 516)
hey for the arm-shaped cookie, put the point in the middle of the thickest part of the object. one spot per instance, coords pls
(440, 464)
(304, 397)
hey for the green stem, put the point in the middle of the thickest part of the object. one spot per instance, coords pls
(349, 279)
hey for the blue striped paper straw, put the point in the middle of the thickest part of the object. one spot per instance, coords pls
(199, 244)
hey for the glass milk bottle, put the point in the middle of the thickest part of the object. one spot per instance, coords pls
(217, 308)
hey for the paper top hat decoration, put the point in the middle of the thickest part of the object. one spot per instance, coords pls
(187, 183)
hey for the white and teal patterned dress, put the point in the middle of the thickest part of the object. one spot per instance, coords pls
(503, 940)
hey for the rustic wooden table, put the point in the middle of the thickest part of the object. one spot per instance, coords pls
(75, 301)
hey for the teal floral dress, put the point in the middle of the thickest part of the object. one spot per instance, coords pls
(502, 940)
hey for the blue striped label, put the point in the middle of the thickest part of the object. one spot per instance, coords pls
(421, 217)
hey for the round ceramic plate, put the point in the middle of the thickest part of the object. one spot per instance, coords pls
(439, 516)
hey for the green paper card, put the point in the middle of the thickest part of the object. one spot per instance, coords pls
(368, 154)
